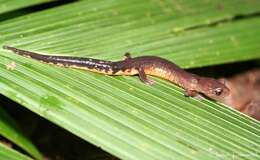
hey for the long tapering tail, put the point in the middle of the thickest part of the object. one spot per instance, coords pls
(66, 61)
(19, 51)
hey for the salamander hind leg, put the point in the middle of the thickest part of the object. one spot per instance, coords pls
(143, 77)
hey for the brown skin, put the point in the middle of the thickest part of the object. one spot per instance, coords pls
(245, 92)
(143, 66)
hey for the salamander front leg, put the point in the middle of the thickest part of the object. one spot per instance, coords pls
(143, 77)
(194, 94)
(190, 93)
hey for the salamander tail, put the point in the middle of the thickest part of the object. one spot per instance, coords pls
(18, 51)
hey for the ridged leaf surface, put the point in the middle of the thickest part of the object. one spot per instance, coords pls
(120, 114)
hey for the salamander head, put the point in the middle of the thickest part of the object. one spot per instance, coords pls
(213, 88)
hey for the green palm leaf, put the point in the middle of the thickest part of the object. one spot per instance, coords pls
(11, 131)
(10, 154)
(10, 5)
(120, 114)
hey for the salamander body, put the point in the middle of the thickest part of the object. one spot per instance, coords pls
(142, 66)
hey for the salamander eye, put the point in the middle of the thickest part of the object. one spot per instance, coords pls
(218, 91)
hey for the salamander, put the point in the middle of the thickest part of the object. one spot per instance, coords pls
(142, 66)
